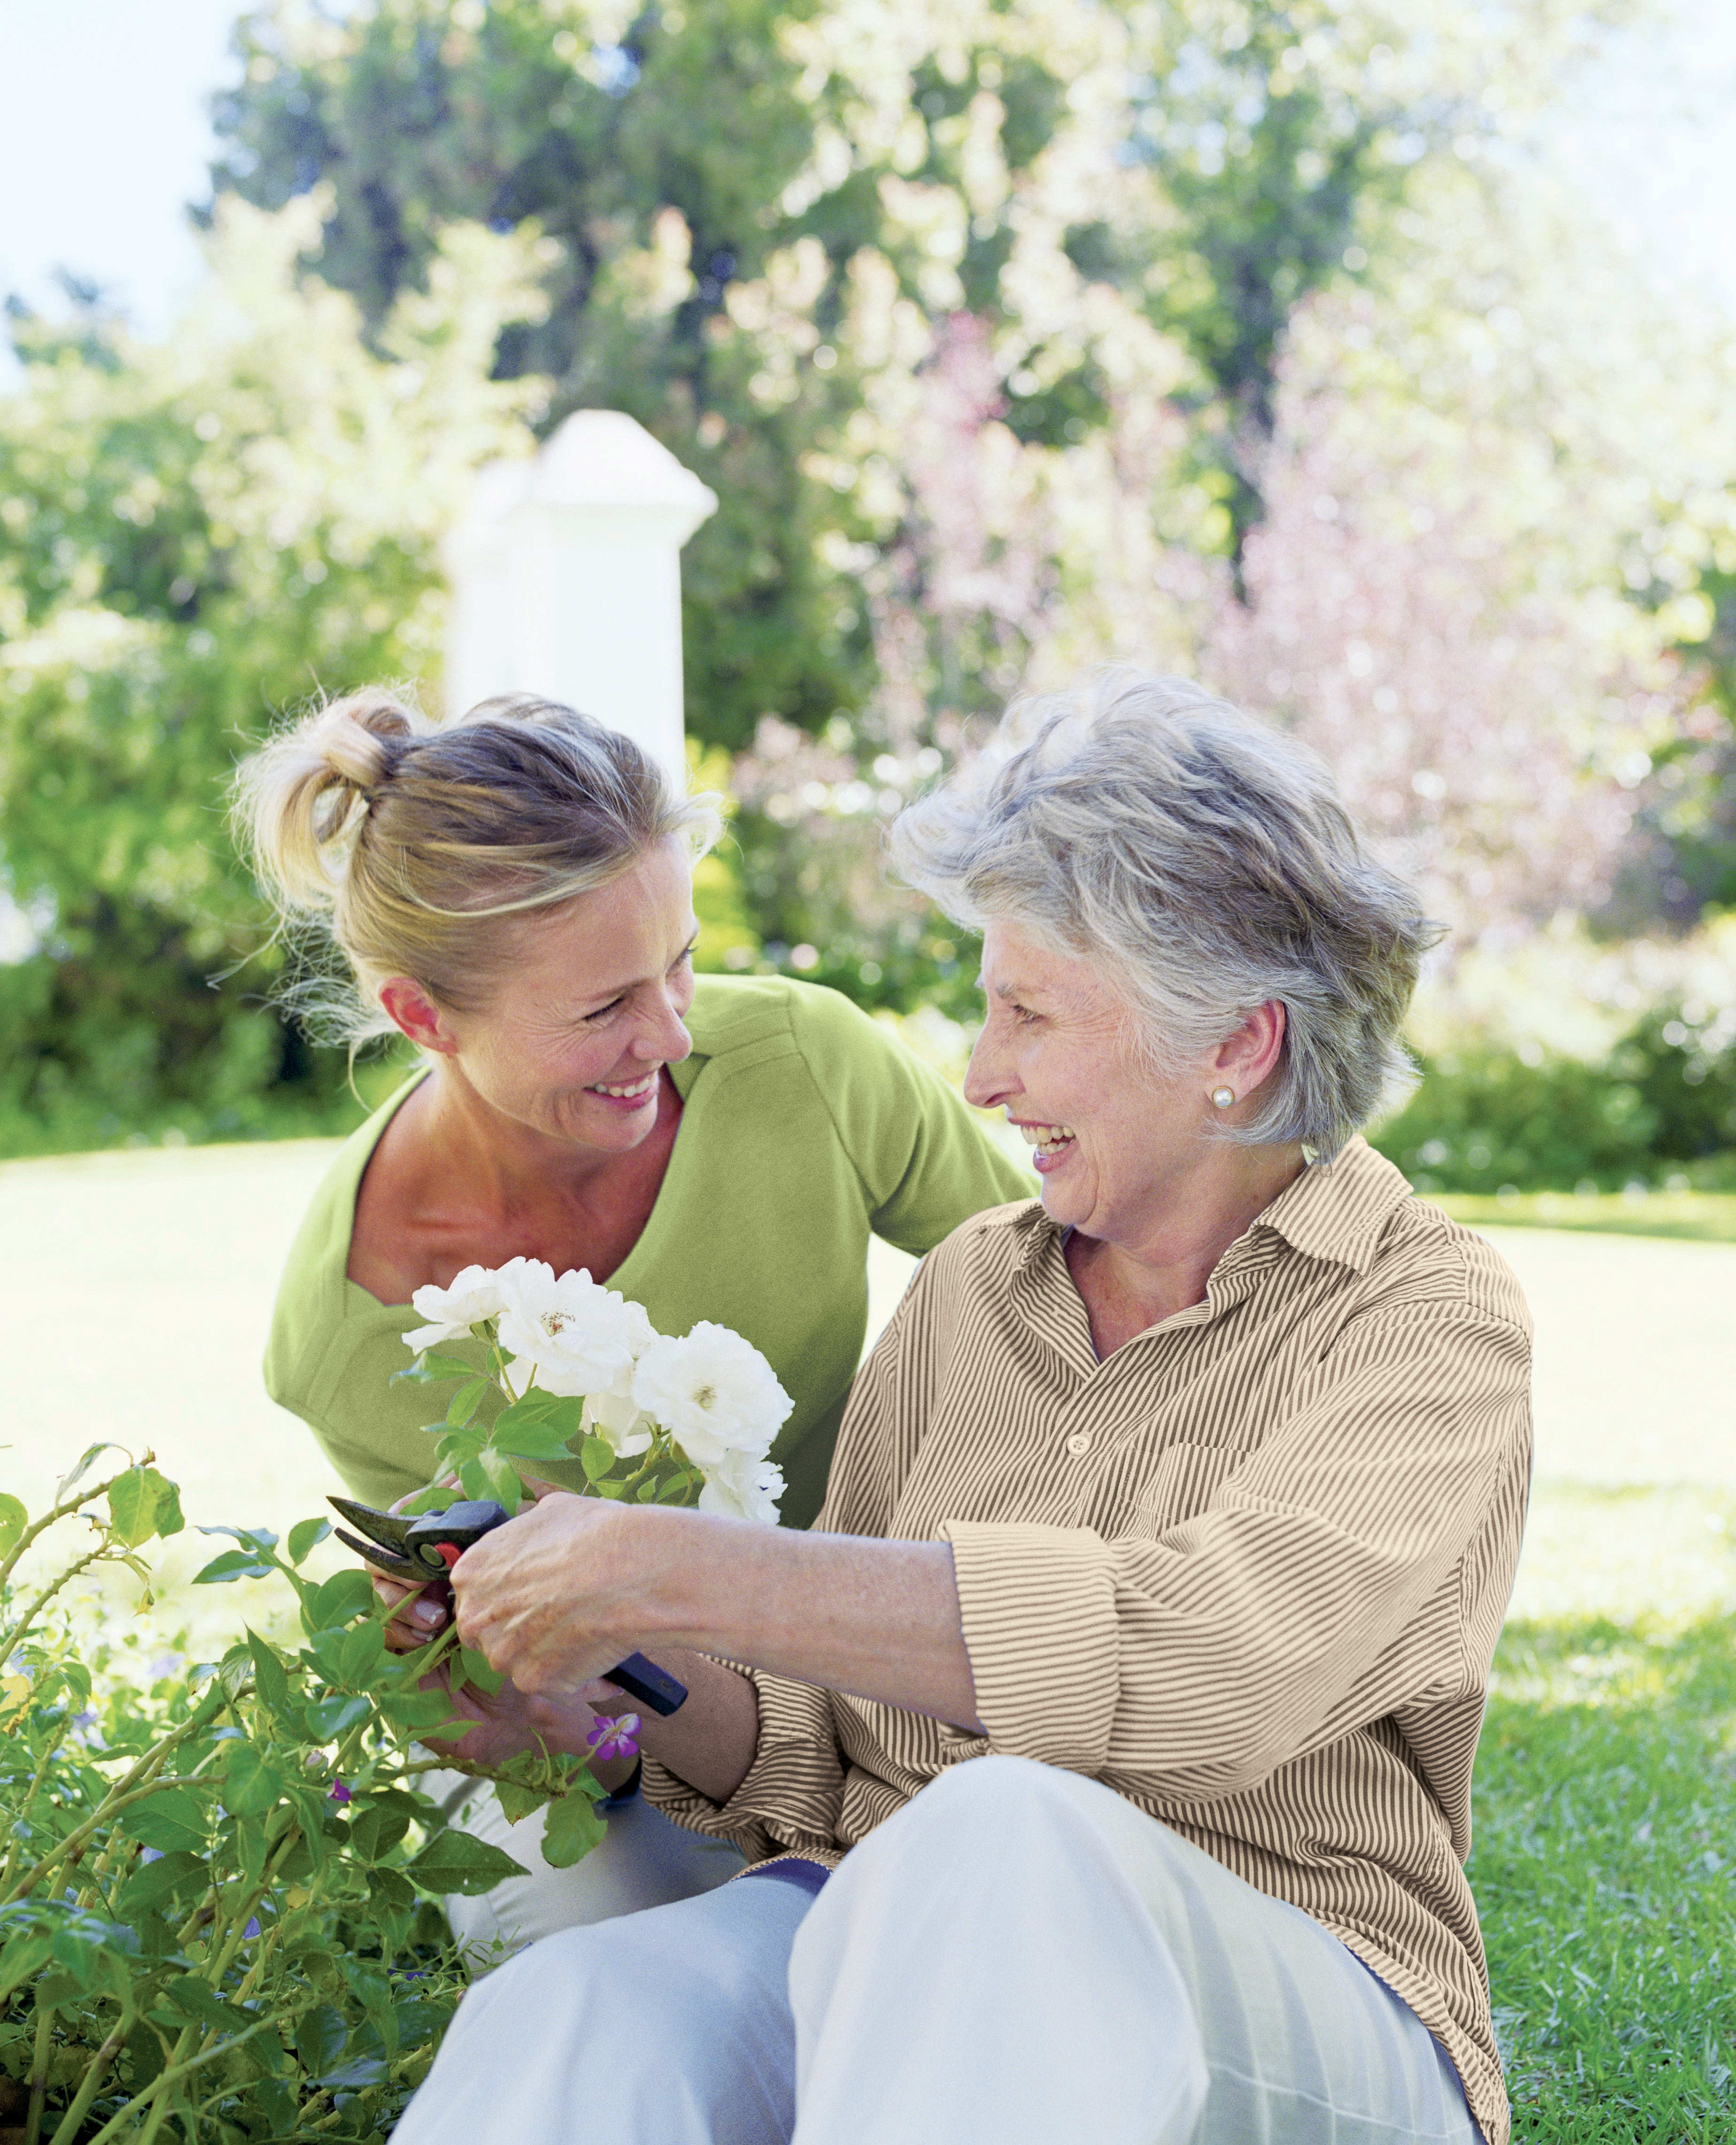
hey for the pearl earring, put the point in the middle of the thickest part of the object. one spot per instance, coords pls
(1223, 1097)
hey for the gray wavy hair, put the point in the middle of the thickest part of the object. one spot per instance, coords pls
(1206, 864)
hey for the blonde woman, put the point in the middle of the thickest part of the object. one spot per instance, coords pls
(513, 892)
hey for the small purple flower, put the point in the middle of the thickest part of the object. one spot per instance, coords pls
(618, 1738)
(338, 1792)
(252, 1929)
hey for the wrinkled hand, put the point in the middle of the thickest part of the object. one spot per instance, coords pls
(549, 1599)
(506, 1725)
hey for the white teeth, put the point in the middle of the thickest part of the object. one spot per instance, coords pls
(1047, 1139)
(638, 1087)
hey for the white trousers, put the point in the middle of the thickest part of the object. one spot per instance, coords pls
(1018, 1958)
(644, 1860)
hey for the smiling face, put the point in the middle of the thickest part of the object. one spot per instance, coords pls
(588, 1010)
(1114, 1140)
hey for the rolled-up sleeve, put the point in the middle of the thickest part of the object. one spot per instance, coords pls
(789, 1800)
(1290, 1610)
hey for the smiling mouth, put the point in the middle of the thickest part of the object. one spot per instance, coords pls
(634, 1091)
(1047, 1139)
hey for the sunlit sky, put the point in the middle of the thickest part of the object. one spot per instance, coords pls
(105, 137)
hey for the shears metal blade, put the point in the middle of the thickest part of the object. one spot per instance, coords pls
(421, 1549)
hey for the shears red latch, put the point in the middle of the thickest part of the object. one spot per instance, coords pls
(421, 1549)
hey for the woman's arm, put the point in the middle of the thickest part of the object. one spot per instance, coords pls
(557, 1598)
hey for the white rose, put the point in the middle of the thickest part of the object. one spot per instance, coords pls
(569, 1335)
(617, 1418)
(477, 1293)
(743, 1488)
(712, 1391)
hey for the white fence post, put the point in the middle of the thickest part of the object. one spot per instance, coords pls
(565, 579)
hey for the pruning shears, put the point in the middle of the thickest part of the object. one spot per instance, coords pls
(421, 1548)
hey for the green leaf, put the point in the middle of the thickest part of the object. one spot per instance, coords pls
(532, 1440)
(269, 1678)
(197, 1999)
(329, 1717)
(454, 1861)
(501, 1479)
(477, 1668)
(135, 1499)
(82, 1466)
(320, 2037)
(21, 1958)
(375, 1830)
(14, 1520)
(573, 1829)
(152, 1884)
(433, 1370)
(415, 1711)
(517, 1801)
(361, 1654)
(596, 1456)
(345, 1594)
(559, 1411)
(465, 1401)
(233, 1564)
(250, 1784)
(255, 1538)
(304, 1535)
(172, 1819)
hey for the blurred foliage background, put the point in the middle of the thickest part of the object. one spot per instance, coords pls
(1257, 339)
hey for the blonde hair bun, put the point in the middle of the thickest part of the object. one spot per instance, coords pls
(300, 800)
(410, 844)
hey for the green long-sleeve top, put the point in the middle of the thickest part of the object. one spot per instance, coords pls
(805, 1127)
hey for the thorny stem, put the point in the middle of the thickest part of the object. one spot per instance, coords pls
(122, 1791)
(17, 1847)
(216, 1967)
(39, 2072)
(94, 2070)
(10, 1640)
(63, 1508)
(154, 2092)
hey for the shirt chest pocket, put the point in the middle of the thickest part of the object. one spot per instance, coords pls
(1180, 1482)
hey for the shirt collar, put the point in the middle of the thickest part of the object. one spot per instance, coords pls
(1334, 1210)
(1337, 1209)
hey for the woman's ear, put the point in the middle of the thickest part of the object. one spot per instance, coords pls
(1241, 1061)
(413, 1013)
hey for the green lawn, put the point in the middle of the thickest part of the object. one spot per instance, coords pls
(1707, 1216)
(1604, 1866)
(134, 1290)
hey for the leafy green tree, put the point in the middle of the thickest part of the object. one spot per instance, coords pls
(194, 536)
(652, 157)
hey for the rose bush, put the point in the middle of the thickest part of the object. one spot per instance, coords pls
(218, 1880)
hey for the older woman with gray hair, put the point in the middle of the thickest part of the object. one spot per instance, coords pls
(1102, 1760)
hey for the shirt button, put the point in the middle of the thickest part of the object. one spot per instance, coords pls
(1079, 1444)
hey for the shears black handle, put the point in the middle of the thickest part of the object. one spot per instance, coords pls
(427, 1547)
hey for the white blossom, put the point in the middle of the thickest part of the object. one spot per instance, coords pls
(570, 1335)
(743, 1488)
(477, 1293)
(713, 1392)
(617, 1418)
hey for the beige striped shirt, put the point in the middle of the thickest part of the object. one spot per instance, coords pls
(1248, 1572)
